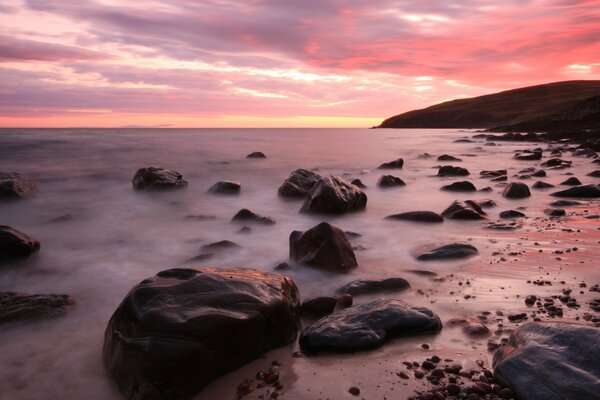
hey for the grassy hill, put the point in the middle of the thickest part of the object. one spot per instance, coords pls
(506, 109)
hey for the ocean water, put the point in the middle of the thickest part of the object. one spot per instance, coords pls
(99, 237)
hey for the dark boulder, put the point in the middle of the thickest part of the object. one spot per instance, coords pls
(572, 181)
(157, 178)
(485, 203)
(220, 245)
(298, 183)
(319, 307)
(555, 212)
(15, 307)
(256, 154)
(540, 173)
(595, 174)
(449, 251)
(587, 153)
(500, 179)
(334, 195)
(417, 216)
(373, 286)
(551, 361)
(15, 244)
(449, 170)
(493, 174)
(225, 187)
(528, 156)
(15, 186)
(396, 164)
(542, 185)
(556, 163)
(566, 203)
(367, 326)
(468, 210)
(177, 331)
(245, 215)
(447, 157)
(509, 214)
(586, 191)
(358, 183)
(462, 186)
(516, 190)
(324, 246)
(387, 181)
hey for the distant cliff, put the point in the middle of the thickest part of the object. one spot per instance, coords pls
(561, 105)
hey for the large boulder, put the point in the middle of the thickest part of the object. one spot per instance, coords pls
(388, 181)
(157, 178)
(516, 190)
(177, 331)
(449, 251)
(462, 186)
(449, 170)
(15, 244)
(15, 307)
(585, 191)
(467, 209)
(417, 216)
(334, 195)
(373, 286)
(396, 164)
(298, 183)
(551, 361)
(367, 326)
(225, 187)
(15, 186)
(323, 246)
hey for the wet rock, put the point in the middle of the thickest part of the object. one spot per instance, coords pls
(256, 154)
(555, 212)
(595, 174)
(220, 245)
(585, 153)
(585, 191)
(551, 361)
(157, 178)
(572, 181)
(493, 174)
(424, 156)
(318, 306)
(282, 266)
(449, 251)
(516, 190)
(468, 210)
(367, 326)
(358, 182)
(324, 246)
(15, 244)
(373, 286)
(245, 215)
(449, 170)
(15, 186)
(539, 173)
(470, 326)
(486, 189)
(334, 195)
(486, 203)
(556, 163)
(386, 181)
(542, 185)
(225, 187)
(396, 164)
(177, 331)
(528, 156)
(566, 203)
(15, 307)
(509, 214)
(503, 226)
(447, 157)
(500, 179)
(298, 183)
(417, 216)
(462, 186)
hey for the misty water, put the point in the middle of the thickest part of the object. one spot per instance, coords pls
(99, 237)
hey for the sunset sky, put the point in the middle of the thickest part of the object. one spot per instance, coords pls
(277, 63)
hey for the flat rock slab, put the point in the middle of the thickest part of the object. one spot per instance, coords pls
(15, 186)
(15, 244)
(367, 326)
(157, 178)
(15, 307)
(551, 361)
(373, 286)
(449, 251)
(417, 216)
(181, 329)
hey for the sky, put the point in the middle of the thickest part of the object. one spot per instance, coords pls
(277, 63)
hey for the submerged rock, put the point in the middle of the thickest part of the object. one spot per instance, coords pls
(298, 183)
(15, 244)
(225, 187)
(15, 186)
(334, 195)
(256, 154)
(322, 306)
(417, 216)
(245, 215)
(447, 157)
(157, 178)
(539, 173)
(509, 214)
(373, 286)
(396, 164)
(324, 246)
(566, 203)
(449, 170)
(551, 361)
(462, 186)
(572, 181)
(448, 252)
(468, 210)
(542, 185)
(177, 331)
(387, 181)
(358, 182)
(555, 212)
(556, 163)
(528, 156)
(516, 190)
(493, 174)
(367, 326)
(16, 307)
(595, 174)
(585, 191)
